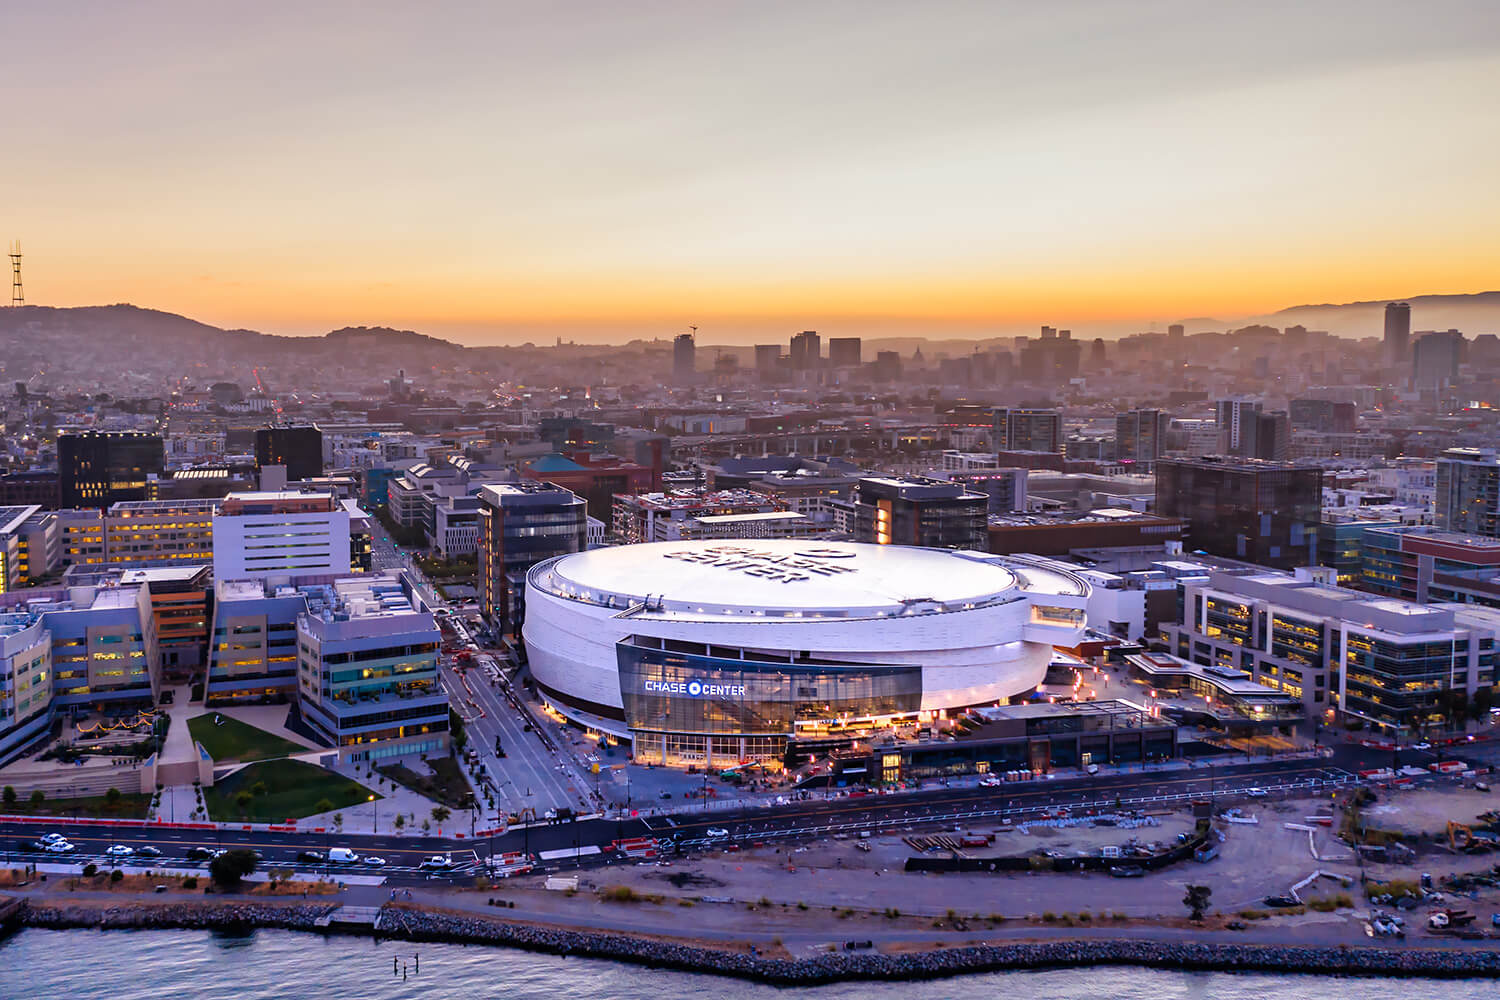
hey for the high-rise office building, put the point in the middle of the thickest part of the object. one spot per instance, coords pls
(1434, 359)
(1468, 492)
(1245, 431)
(1397, 332)
(807, 350)
(887, 366)
(260, 535)
(1323, 415)
(300, 449)
(520, 524)
(98, 468)
(767, 357)
(914, 510)
(367, 652)
(1026, 430)
(1262, 512)
(1140, 435)
(1235, 424)
(684, 359)
(844, 352)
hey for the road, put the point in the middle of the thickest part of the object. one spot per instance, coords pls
(797, 821)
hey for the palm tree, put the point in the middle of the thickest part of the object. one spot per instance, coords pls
(440, 813)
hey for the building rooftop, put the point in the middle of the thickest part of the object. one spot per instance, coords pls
(784, 577)
(695, 499)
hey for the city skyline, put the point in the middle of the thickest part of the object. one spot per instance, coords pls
(507, 175)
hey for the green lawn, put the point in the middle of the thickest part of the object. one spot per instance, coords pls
(293, 789)
(234, 740)
(129, 807)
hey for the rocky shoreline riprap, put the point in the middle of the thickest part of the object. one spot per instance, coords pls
(418, 924)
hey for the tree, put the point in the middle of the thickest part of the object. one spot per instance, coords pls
(400, 821)
(1196, 901)
(243, 800)
(112, 797)
(10, 795)
(338, 820)
(456, 731)
(37, 798)
(323, 806)
(259, 789)
(440, 813)
(230, 867)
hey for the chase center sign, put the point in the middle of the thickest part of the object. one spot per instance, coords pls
(694, 689)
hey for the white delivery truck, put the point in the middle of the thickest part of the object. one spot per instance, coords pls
(342, 856)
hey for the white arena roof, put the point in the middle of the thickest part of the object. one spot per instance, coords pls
(779, 575)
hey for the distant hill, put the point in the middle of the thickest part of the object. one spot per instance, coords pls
(134, 338)
(1473, 314)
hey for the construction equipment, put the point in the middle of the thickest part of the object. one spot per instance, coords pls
(1454, 840)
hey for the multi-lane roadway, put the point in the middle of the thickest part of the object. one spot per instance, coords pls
(809, 819)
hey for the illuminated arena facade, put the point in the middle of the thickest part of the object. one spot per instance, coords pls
(716, 652)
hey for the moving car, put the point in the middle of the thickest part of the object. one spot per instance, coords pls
(315, 856)
(148, 851)
(716, 833)
(53, 838)
(60, 847)
(372, 861)
(203, 853)
(119, 850)
(1256, 793)
(437, 862)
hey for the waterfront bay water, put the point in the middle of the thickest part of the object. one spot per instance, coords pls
(270, 965)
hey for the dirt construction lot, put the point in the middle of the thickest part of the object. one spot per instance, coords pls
(1256, 860)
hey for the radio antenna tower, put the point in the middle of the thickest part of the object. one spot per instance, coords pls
(17, 297)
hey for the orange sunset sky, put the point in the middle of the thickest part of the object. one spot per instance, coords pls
(504, 172)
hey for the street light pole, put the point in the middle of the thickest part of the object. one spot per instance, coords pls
(375, 810)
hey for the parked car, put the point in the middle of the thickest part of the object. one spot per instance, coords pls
(119, 850)
(1256, 793)
(1127, 871)
(1281, 902)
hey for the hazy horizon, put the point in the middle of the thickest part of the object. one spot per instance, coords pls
(600, 173)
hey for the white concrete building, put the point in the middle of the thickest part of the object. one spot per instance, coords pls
(260, 535)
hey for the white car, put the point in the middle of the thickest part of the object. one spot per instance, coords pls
(716, 833)
(1256, 793)
(53, 838)
(60, 847)
(988, 782)
(119, 850)
(1421, 746)
(372, 861)
(437, 861)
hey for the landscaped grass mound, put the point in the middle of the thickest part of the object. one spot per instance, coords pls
(277, 790)
(232, 739)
